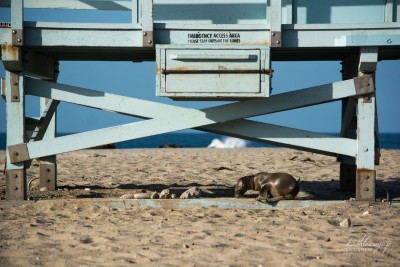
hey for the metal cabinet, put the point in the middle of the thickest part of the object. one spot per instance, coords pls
(202, 73)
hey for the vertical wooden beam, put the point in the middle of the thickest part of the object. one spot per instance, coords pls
(389, 11)
(366, 130)
(135, 11)
(48, 165)
(3, 88)
(276, 23)
(15, 104)
(349, 126)
(17, 22)
(287, 16)
(15, 172)
(147, 23)
(366, 174)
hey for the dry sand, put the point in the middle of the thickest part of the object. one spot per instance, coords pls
(62, 229)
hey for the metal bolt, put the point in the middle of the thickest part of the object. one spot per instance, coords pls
(144, 33)
(368, 84)
(278, 42)
(48, 180)
(48, 170)
(150, 41)
(15, 97)
(366, 189)
(14, 32)
(365, 149)
(15, 153)
(15, 83)
(367, 177)
(273, 34)
(15, 188)
(19, 40)
(15, 175)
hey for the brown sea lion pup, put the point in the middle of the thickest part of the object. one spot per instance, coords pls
(272, 186)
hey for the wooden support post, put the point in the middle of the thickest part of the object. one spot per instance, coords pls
(147, 23)
(15, 172)
(48, 165)
(15, 103)
(349, 126)
(276, 23)
(366, 174)
(360, 123)
(366, 130)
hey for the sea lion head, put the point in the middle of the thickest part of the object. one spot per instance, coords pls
(243, 184)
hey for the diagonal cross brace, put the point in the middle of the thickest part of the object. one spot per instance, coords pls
(44, 120)
(289, 137)
(148, 109)
(174, 118)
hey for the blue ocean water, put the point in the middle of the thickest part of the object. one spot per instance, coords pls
(386, 140)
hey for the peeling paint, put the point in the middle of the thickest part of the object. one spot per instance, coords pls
(9, 52)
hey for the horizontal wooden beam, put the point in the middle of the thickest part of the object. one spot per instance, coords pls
(73, 4)
(40, 66)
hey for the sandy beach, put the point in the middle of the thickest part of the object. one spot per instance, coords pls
(73, 227)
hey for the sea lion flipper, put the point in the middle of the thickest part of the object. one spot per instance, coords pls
(265, 191)
(276, 199)
(269, 201)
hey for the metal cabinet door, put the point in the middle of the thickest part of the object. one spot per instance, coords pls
(208, 73)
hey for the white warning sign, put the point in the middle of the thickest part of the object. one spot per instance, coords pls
(214, 38)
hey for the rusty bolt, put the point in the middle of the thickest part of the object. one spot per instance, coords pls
(150, 41)
(15, 97)
(14, 32)
(19, 40)
(278, 42)
(365, 149)
(15, 83)
(48, 170)
(367, 177)
(48, 180)
(15, 175)
(366, 189)
(368, 84)
(15, 153)
(144, 33)
(15, 188)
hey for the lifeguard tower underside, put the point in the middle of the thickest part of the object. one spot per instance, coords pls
(204, 50)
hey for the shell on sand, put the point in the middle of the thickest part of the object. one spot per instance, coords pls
(142, 196)
(193, 192)
(155, 195)
(166, 193)
(128, 196)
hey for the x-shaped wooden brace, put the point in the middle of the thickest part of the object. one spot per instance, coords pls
(226, 119)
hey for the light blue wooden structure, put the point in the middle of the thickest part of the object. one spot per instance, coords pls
(204, 49)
